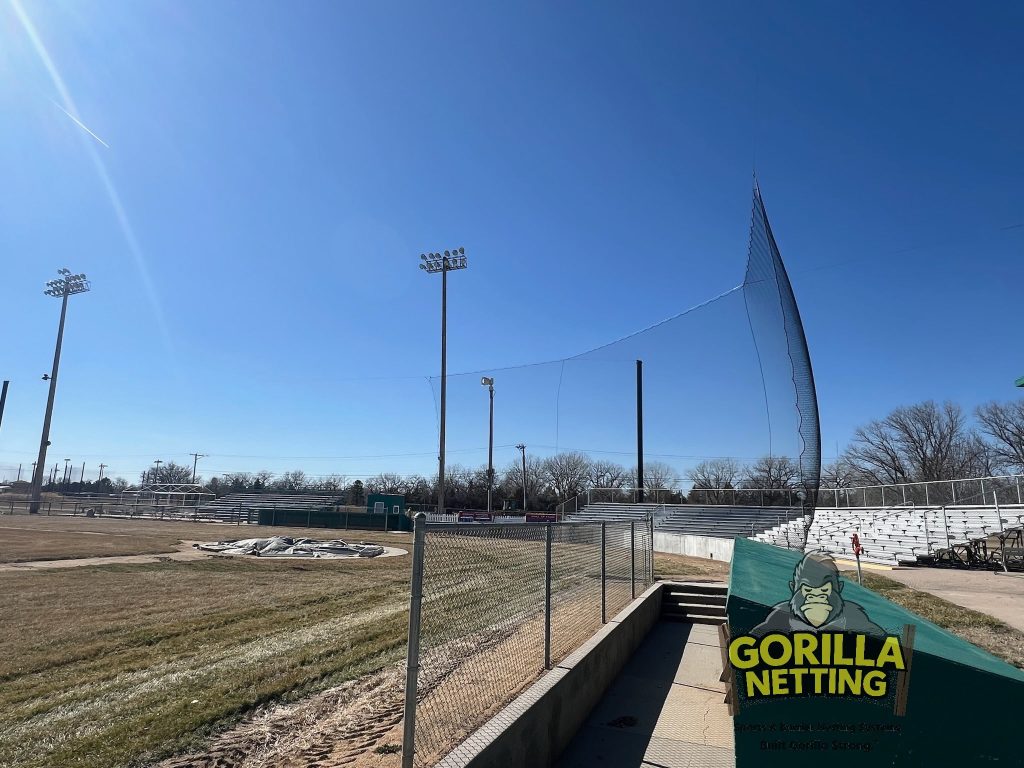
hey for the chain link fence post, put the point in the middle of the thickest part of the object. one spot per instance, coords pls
(604, 573)
(650, 549)
(547, 597)
(632, 559)
(413, 659)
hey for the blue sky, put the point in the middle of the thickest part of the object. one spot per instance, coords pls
(270, 173)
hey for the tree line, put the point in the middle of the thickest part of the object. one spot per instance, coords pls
(923, 442)
(549, 481)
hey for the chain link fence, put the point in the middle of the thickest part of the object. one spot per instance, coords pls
(494, 606)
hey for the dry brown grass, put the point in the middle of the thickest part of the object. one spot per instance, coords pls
(117, 665)
(124, 664)
(995, 636)
(29, 537)
(684, 567)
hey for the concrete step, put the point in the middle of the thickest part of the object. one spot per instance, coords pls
(708, 610)
(695, 588)
(694, 618)
(693, 597)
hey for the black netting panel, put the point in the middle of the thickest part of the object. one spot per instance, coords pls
(782, 346)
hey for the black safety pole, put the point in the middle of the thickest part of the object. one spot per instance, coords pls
(640, 430)
(3, 402)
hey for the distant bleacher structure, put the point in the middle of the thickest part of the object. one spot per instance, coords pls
(247, 506)
(985, 528)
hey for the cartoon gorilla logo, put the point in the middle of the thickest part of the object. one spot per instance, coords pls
(817, 604)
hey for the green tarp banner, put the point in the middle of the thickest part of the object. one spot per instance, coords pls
(821, 667)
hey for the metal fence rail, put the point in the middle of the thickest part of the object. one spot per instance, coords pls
(493, 606)
(71, 506)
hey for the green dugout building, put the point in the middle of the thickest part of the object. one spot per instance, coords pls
(960, 705)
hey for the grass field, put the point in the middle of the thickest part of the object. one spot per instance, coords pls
(120, 665)
(995, 636)
(116, 665)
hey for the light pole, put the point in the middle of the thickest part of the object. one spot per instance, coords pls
(443, 263)
(489, 383)
(65, 285)
(66, 477)
(195, 460)
(522, 449)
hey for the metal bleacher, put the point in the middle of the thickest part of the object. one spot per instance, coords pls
(607, 512)
(962, 535)
(954, 535)
(247, 506)
(720, 521)
(723, 521)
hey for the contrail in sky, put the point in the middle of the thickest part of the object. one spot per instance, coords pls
(67, 106)
(80, 124)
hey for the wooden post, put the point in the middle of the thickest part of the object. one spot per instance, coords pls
(900, 706)
(727, 677)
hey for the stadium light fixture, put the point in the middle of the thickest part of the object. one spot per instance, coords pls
(488, 382)
(67, 284)
(443, 263)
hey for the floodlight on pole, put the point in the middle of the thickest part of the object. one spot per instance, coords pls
(488, 381)
(443, 263)
(65, 285)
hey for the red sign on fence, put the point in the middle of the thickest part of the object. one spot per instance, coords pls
(541, 517)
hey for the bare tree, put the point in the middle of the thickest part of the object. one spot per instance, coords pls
(771, 472)
(237, 481)
(773, 478)
(511, 485)
(168, 473)
(657, 474)
(839, 474)
(262, 479)
(710, 476)
(567, 473)
(915, 443)
(291, 481)
(386, 482)
(1004, 424)
(329, 484)
(606, 474)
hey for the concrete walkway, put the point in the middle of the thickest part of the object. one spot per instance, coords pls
(664, 710)
(999, 595)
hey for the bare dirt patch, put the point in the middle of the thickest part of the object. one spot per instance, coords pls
(685, 567)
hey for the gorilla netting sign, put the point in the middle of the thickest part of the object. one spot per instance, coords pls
(823, 670)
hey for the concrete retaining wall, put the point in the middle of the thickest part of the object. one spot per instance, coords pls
(535, 728)
(697, 546)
